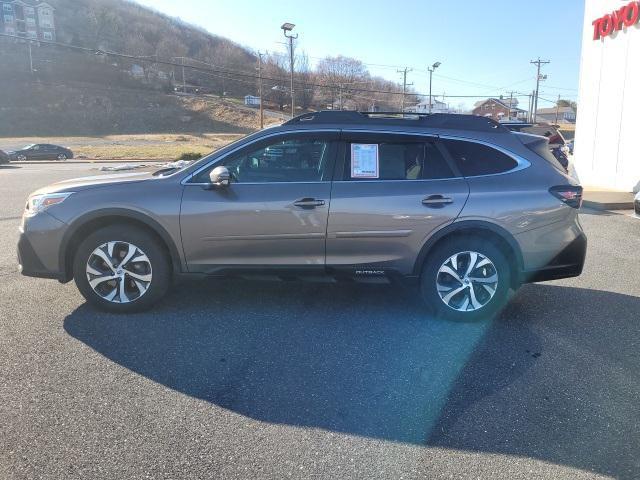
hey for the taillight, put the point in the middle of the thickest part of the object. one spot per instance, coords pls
(568, 194)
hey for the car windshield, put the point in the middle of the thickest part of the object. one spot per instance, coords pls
(28, 146)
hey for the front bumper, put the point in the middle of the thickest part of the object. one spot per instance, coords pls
(39, 247)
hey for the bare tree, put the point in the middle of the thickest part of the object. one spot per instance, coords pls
(340, 76)
(305, 89)
(275, 87)
(105, 25)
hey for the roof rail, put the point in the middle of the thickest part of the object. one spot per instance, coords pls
(409, 119)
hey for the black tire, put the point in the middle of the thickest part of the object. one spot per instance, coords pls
(21, 158)
(430, 276)
(62, 156)
(159, 263)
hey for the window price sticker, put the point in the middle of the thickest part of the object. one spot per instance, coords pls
(364, 160)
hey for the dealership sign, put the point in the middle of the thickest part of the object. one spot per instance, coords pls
(612, 22)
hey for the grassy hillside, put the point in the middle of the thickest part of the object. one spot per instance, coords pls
(77, 93)
(72, 93)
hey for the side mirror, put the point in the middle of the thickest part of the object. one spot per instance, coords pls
(220, 176)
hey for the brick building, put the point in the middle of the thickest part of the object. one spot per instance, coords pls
(499, 109)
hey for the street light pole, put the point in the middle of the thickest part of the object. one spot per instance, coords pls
(287, 27)
(431, 69)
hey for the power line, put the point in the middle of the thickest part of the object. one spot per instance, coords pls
(230, 74)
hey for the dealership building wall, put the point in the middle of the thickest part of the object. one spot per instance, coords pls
(607, 142)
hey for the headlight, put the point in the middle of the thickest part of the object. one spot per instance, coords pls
(38, 203)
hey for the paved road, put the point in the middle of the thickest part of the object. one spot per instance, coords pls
(240, 379)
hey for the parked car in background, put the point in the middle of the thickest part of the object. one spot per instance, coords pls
(4, 157)
(41, 151)
(462, 205)
(570, 144)
(636, 204)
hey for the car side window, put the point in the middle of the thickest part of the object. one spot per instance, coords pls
(398, 160)
(288, 160)
(435, 165)
(475, 159)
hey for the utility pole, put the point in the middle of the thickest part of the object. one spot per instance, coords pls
(404, 85)
(538, 63)
(287, 27)
(260, 89)
(510, 104)
(184, 84)
(30, 59)
(431, 70)
(531, 95)
(557, 108)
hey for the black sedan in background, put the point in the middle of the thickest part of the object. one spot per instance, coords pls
(4, 158)
(41, 151)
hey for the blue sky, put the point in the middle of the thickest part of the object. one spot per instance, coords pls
(484, 46)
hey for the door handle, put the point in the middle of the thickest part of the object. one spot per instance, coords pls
(308, 203)
(436, 201)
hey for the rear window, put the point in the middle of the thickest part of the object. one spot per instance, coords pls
(475, 159)
(541, 148)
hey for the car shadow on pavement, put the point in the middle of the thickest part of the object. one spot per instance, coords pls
(368, 360)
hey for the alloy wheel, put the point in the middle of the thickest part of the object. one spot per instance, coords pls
(467, 281)
(119, 272)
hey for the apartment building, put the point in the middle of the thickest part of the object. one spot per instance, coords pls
(28, 19)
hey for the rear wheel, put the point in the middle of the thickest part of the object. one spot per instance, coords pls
(466, 279)
(121, 269)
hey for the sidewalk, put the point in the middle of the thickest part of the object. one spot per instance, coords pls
(607, 199)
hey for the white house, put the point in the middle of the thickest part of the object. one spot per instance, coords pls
(423, 107)
(251, 100)
(137, 71)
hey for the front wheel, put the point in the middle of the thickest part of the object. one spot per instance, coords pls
(466, 279)
(62, 156)
(21, 158)
(122, 269)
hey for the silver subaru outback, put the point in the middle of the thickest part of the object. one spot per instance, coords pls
(468, 208)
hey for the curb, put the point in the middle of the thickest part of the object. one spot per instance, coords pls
(91, 160)
(607, 205)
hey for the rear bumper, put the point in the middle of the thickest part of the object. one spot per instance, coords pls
(568, 263)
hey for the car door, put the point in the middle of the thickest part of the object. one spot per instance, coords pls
(51, 151)
(273, 213)
(381, 215)
(34, 152)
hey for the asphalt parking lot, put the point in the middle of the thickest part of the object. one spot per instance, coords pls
(246, 379)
